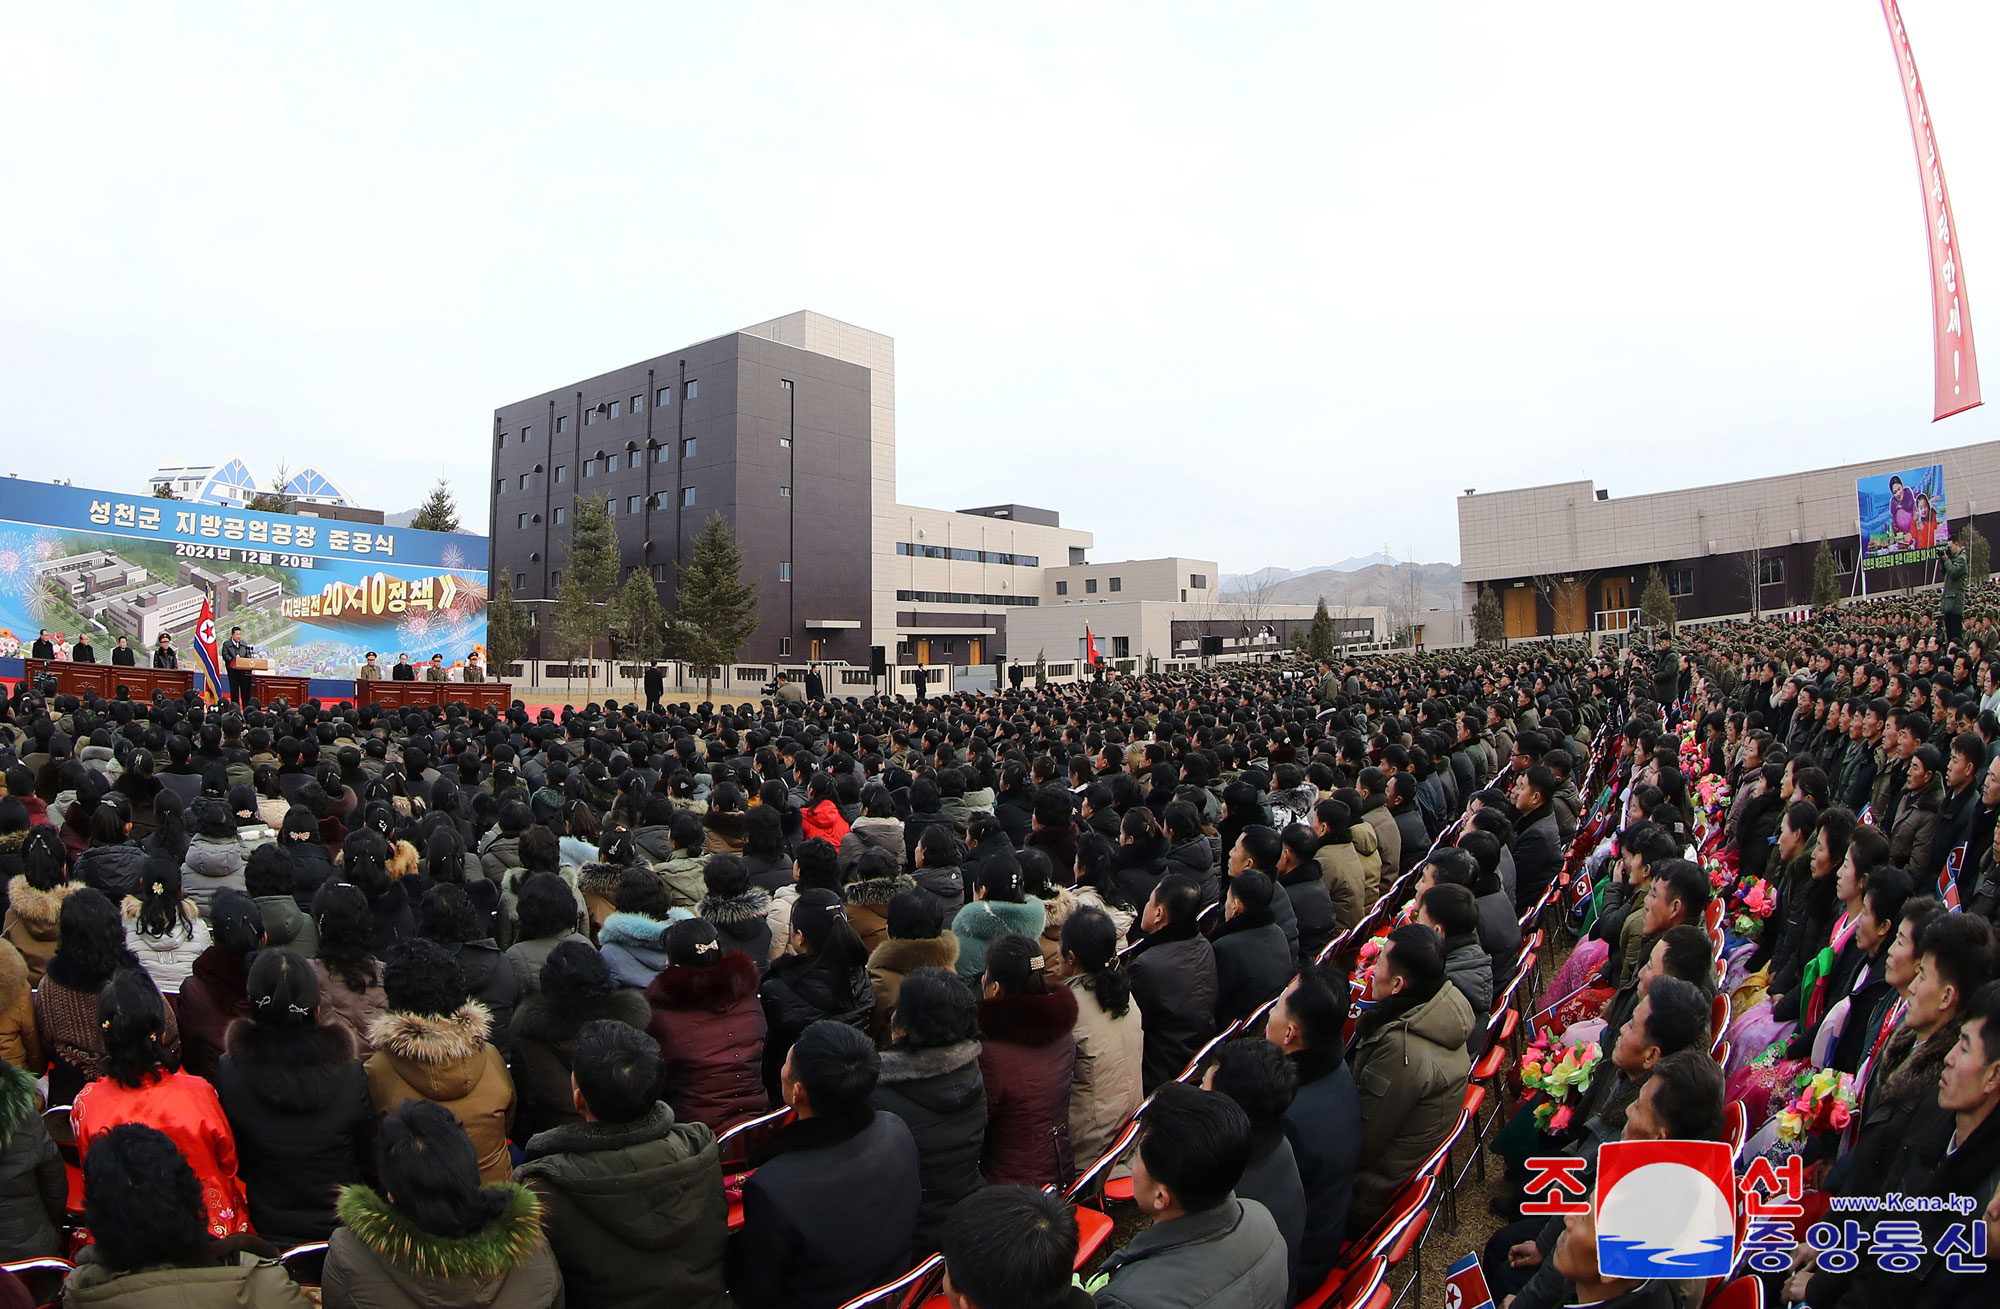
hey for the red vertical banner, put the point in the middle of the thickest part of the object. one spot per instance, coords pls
(1951, 327)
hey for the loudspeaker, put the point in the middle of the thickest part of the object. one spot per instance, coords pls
(1211, 645)
(878, 661)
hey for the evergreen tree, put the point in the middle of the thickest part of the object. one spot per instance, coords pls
(275, 500)
(1826, 582)
(164, 491)
(439, 512)
(640, 617)
(1489, 625)
(716, 610)
(1656, 603)
(590, 574)
(1319, 639)
(1978, 556)
(506, 629)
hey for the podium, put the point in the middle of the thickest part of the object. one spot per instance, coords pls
(103, 680)
(266, 688)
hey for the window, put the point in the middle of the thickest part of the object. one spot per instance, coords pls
(1184, 595)
(785, 382)
(562, 474)
(784, 492)
(907, 646)
(520, 581)
(1843, 559)
(1076, 555)
(561, 513)
(589, 417)
(555, 579)
(524, 481)
(500, 486)
(1198, 581)
(590, 468)
(969, 556)
(613, 409)
(969, 598)
(687, 495)
(1121, 647)
(785, 571)
(520, 520)
(784, 443)
(1090, 586)
(944, 647)
(663, 397)
(785, 642)
(635, 458)
(1117, 583)
(562, 423)
(662, 453)
(1680, 581)
(631, 504)
(659, 572)
(638, 404)
(1770, 570)
(526, 432)
(691, 387)
(1062, 588)
(687, 448)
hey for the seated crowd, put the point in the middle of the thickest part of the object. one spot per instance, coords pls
(474, 998)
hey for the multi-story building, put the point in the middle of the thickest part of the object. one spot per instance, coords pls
(1570, 558)
(787, 429)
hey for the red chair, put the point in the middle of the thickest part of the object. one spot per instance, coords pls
(1720, 1052)
(305, 1262)
(43, 1277)
(1744, 1293)
(736, 1146)
(1191, 1075)
(1351, 1288)
(912, 1288)
(1718, 1017)
(1092, 1181)
(1738, 1120)
(1093, 1229)
(1713, 915)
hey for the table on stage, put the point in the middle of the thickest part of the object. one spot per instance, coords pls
(267, 687)
(391, 694)
(103, 680)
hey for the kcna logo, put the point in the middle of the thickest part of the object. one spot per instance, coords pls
(1665, 1209)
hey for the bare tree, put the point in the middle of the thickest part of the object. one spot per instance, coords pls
(1246, 607)
(1750, 563)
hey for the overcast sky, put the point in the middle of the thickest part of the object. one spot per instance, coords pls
(1264, 284)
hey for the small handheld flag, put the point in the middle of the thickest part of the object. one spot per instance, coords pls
(1465, 1285)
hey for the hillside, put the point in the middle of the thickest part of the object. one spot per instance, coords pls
(1437, 586)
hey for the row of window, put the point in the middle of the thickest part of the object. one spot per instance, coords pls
(610, 409)
(1770, 571)
(658, 572)
(966, 598)
(967, 556)
(1090, 586)
(634, 504)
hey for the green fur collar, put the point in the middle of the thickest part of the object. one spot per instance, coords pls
(17, 1098)
(493, 1251)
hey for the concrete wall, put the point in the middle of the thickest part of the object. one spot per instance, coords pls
(1170, 579)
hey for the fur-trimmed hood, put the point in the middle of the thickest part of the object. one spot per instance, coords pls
(752, 905)
(635, 931)
(728, 825)
(1029, 1019)
(600, 879)
(433, 1040)
(38, 910)
(13, 978)
(922, 1065)
(905, 955)
(717, 988)
(557, 1020)
(877, 890)
(491, 1252)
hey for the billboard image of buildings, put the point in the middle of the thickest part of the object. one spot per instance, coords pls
(313, 594)
(1903, 518)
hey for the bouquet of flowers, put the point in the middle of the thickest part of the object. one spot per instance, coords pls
(1712, 794)
(1557, 1070)
(1754, 904)
(1825, 1102)
(1364, 968)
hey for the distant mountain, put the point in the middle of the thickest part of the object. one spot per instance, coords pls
(403, 519)
(1437, 585)
(1265, 576)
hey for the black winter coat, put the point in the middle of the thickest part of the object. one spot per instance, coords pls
(33, 1186)
(941, 1096)
(297, 1102)
(831, 1214)
(1141, 868)
(1324, 1127)
(1251, 966)
(544, 1040)
(491, 980)
(798, 992)
(1313, 906)
(312, 868)
(1174, 983)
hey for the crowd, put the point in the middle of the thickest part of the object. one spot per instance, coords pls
(771, 1005)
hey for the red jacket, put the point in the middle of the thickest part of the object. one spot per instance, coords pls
(1027, 1055)
(824, 820)
(710, 1027)
(186, 1109)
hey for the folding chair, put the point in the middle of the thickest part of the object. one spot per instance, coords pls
(1090, 1184)
(1738, 1120)
(907, 1291)
(305, 1263)
(1718, 1017)
(1191, 1074)
(737, 1145)
(43, 1277)
(1351, 1288)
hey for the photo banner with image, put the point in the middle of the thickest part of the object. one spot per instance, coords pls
(313, 595)
(1903, 517)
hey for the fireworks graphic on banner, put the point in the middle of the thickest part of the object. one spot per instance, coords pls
(21, 554)
(453, 557)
